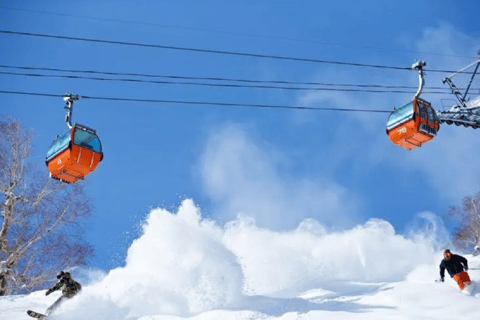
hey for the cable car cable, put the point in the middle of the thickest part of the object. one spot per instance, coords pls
(201, 103)
(214, 84)
(231, 53)
(215, 78)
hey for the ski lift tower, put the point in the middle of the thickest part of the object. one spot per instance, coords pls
(466, 112)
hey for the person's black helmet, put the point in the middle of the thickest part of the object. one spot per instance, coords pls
(446, 250)
(63, 275)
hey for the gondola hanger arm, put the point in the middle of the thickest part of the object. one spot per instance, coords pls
(418, 65)
(70, 99)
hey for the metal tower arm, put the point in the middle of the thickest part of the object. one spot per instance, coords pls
(467, 113)
(456, 92)
(448, 80)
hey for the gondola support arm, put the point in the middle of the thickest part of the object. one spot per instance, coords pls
(69, 99)
(418, 65)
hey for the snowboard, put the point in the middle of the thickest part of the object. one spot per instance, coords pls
(37, 315)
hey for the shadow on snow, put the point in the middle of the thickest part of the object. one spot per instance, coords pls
(336, 297)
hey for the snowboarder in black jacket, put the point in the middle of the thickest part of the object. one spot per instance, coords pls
(69, 288)
(457, 267)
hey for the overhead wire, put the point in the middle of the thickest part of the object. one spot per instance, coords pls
(231, 53)
(212, 51)
(227, 85)
(198, 103)
(242, 34)
(213, 78)
(209, 51)
(466, 82)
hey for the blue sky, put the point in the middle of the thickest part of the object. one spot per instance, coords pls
(280, 166)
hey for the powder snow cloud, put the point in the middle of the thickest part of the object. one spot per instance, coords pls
(242, 175)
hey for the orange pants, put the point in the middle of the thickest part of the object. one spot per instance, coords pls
(462, 279)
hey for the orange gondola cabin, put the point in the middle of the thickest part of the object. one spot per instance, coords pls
(413, 124)
(74, 155)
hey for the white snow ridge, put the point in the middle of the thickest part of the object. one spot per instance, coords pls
(183, 266)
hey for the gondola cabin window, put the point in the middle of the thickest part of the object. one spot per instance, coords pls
(60, 144)
(87, 140)
(400, 115)
(430, 115)
(423, 113)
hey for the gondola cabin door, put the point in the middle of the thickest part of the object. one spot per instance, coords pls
(74, 155)
(413, 124)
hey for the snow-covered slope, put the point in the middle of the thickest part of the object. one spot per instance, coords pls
(186, 267)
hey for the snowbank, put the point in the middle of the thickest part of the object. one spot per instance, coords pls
(186, 266)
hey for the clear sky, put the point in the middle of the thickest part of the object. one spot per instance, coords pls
(279, 166)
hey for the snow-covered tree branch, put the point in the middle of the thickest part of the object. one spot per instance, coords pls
(467, 234)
